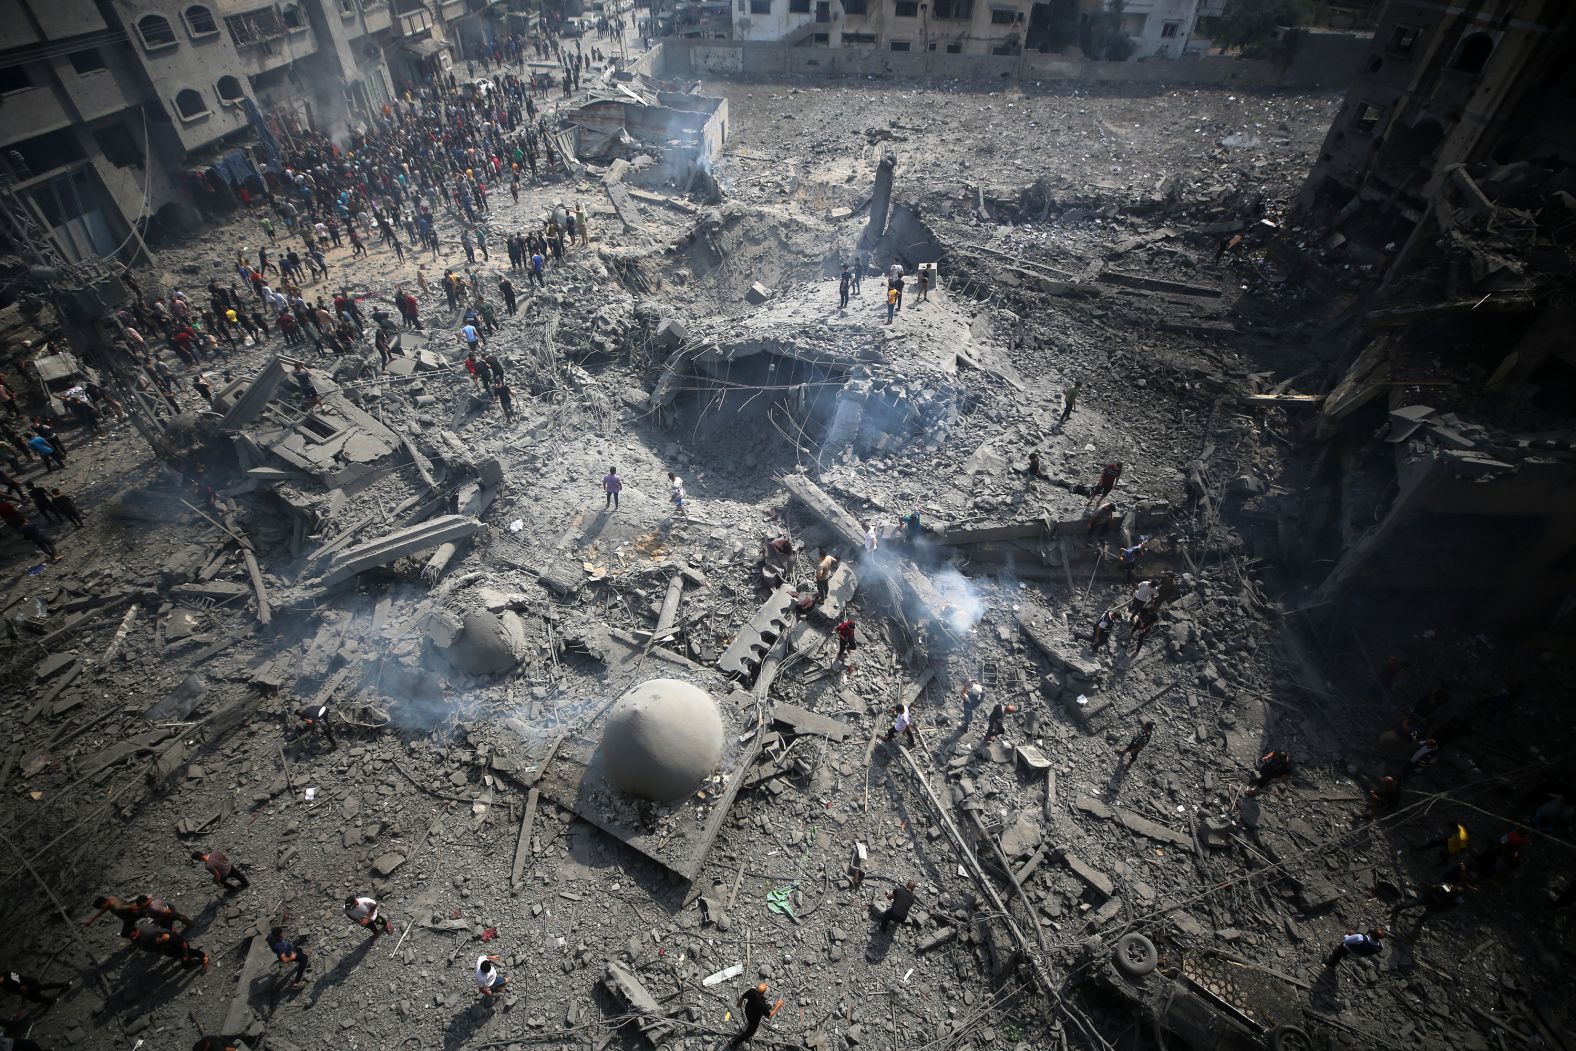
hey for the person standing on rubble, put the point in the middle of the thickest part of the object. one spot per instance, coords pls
(1143, 624)
(225, 873)
(14, 518)
(612, 485)
(504, 397)
(755, 1007)
(1110, 474)
(288, 952)
(537, 263)
(846, 641)
(892, 296)
(315, 718)
(1069, 401)
(823, 574)
(902, 723)
(490, 979)
(676, 494)
(996, 722)
(1128, 754)
(366, 912)
(844, 282)
(1129, 557)
(1102, 631)
(506, 289)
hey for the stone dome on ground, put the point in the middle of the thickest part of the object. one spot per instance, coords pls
(662, 740)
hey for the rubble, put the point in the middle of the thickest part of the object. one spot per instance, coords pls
(601, 743)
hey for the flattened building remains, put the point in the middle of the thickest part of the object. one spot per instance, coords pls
(618, 747)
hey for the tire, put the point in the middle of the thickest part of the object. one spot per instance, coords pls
(1288, 1038)
(1135, 955)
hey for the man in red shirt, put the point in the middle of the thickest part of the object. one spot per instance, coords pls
(845, 637)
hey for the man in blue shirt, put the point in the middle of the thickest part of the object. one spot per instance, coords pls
(289, 952)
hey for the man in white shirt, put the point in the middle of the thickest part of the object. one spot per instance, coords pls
(676, 493)
(902, 723)
(365, 911)
(871, 541)
(490, 979)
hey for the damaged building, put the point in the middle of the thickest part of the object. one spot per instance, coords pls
(1448, 175)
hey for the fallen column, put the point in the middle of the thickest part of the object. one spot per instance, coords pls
(398, 544)
(914, 591)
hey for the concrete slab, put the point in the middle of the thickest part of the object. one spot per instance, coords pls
(402, 542)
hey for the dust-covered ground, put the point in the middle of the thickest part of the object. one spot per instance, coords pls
(1035, 197)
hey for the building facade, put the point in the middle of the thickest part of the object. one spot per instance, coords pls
(117, 116)
(1160, 28)
(1167, 28)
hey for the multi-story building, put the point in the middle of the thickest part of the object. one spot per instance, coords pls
(954, 26)
(1167, 28)
(76, 142)
(1444, 86)
(1161, 28)
(117, 115)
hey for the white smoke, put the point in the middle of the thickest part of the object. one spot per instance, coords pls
(962, 606)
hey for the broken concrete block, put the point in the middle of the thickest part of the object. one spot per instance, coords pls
(757, 294)
(671, 333)
(387, 864)
(1089, 874)
(444, 627)
(490, 471)
(53, 665)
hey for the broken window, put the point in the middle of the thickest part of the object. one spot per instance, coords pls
(230, 90)
(823, 13)
(954, 49)
(856, 7)
(1170, 30)
(859, 40)
(347, 7)
(798, 7)
(14, 78)
(42, 152)
(1403, 39)
(1002, 16)
(760, 7)
(87, 61)
(155, 31)
(954, 10)
(1004, 49)
(189, 104)
(906, 8)
(199, 21)
(1473, 54)
(319, 428)
(900, 45)
(290, 15)
(1366, 118)
(118, 146)
(255, 27)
